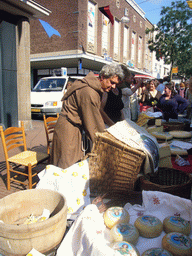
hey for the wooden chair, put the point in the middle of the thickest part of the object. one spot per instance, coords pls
(49, 124)
(14, 137)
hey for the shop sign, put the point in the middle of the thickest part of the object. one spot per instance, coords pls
(175, 70)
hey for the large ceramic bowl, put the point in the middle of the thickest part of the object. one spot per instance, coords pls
(17, 238)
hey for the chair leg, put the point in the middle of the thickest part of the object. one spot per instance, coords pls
(30, 176)
(8, 178)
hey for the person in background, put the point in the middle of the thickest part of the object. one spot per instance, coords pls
(81, 112)
(160, 88)
(129, 87)
(177, 87)
(182, 90)
(171, 103)
(149, 96)
(188, 96)
(162, 82)
(112, 104)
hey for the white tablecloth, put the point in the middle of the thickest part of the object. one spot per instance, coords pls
(88, 235)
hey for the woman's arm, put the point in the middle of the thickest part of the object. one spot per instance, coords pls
(106, 118)
(183, 103)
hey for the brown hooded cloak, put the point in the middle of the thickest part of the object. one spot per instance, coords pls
(80, 111)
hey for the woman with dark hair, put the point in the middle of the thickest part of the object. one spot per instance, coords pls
(171, 103)
(149, 96)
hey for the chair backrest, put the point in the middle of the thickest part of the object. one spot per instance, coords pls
(13, 137)
(49, 124)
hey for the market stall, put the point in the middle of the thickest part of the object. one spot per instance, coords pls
(107, 178)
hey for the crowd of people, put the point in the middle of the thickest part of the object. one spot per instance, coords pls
(94, 103)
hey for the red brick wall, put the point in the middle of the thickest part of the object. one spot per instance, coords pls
(69, 17)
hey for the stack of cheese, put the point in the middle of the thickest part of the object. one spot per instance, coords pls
(124, 236)
(165, 155)
(158, 127)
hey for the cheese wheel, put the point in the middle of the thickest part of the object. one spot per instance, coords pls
(156, 252)
(180, 134)
(178, 244)
(178, 151)
(176, 224)
(149, 226)
(115, 215)
(162, 135)
(124, 232)
(125, 248)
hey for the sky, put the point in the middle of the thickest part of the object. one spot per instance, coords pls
(152, 8)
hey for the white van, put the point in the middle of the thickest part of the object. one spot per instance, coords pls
(47, 94)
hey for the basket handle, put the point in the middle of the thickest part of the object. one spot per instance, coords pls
(89, 155)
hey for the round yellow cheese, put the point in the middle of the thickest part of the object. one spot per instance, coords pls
(124, 232)
(162, 135)
(115, 215)
(125, 248)
(156, 252)
(176, 224)
(178, 244)
(180, 134)
(149, 226)
(178, 151)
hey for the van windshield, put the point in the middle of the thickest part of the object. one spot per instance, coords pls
(53, 84)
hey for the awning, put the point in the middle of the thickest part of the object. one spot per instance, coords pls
(144, 76)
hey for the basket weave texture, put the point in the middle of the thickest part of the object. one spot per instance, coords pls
(173, 126)
(113, 165)
(168, 180)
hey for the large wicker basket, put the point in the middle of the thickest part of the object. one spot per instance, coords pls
(113, 165)
(168, 180)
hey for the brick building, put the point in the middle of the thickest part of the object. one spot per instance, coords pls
(87, 39)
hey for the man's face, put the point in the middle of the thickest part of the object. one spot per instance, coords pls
(108, 83)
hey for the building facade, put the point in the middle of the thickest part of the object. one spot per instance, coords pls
(15, 82)
(159, 68)
(88, 39)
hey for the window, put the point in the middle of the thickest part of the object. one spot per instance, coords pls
(91, 26)
(133, 43)
(140, 50)
(116, 39)
(105, 34)
(125, 43)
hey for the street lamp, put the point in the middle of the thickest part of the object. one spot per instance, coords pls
(125, 19)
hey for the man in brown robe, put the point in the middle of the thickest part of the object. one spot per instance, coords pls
(81, 111)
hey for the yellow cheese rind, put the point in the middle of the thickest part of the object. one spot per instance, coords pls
(125, 248)
(156, 251)
(180, 134)
(115, 215)
(124, 232)
(149, 226)
(158, 122)
(155, 129)
(162, 135)
(177, 243)
(176, 224)
(178, 151)
(164, 150)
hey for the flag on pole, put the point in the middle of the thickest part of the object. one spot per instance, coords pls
(105, 10)
(49, 29)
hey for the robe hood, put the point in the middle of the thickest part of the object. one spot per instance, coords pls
(89, 80)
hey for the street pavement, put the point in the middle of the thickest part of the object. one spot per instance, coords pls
(36, 140)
